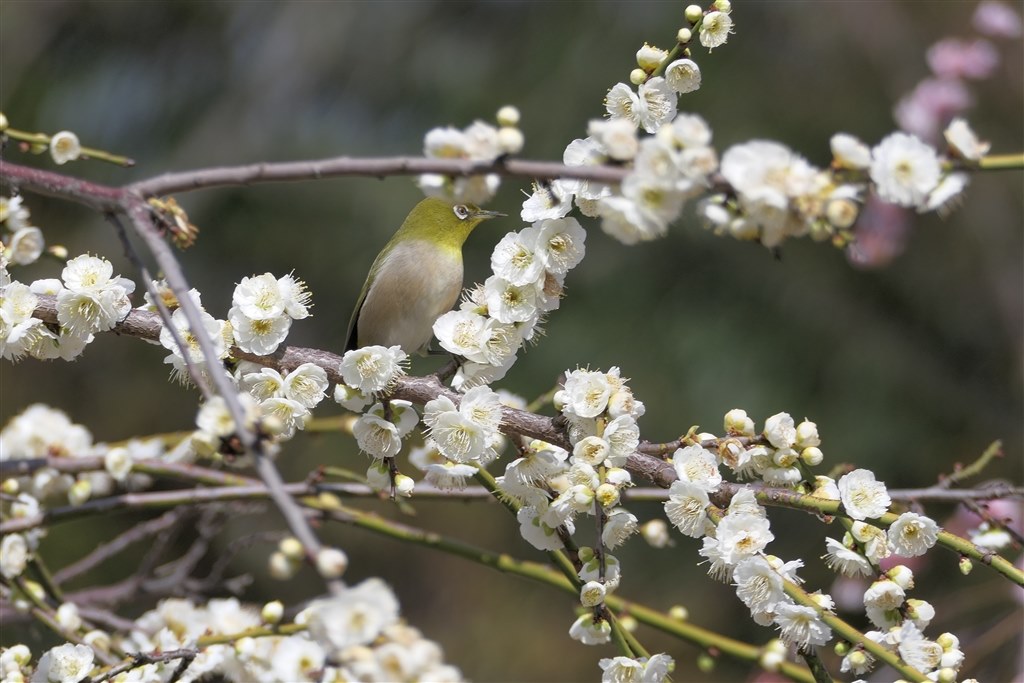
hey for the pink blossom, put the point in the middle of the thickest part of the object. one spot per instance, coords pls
(997, 19)
(953, 58)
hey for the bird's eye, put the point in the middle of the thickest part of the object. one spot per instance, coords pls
(461, 211)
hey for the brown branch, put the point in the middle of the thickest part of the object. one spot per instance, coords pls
(380, 167)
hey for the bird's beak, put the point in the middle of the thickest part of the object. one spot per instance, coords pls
(484, 215)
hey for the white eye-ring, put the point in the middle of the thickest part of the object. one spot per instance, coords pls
(461, 211)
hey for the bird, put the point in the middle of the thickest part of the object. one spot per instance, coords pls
(415, 278)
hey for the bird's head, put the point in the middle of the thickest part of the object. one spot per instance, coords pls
(443, 223)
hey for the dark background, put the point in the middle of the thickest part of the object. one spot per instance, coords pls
(907, 369)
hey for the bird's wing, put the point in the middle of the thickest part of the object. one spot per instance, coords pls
(352, 337)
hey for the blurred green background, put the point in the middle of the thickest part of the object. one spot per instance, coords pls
(907, 369)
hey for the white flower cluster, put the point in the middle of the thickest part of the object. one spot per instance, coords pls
(22, 242)
(217, 331)
(671, 164)
(496, 317)
(775, 194)
(478, 142)
(356, 635)
(262, 310)
(90, 298)
(552, 487)
(284, 401)
(40, 432)
(938, 659)
(667, 168)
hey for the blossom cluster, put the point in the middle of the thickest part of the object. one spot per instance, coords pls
(356, 635)
(22, 243)
(44, 432)
(497, 317)
(90, 299)
(480, 142)
(774, 194)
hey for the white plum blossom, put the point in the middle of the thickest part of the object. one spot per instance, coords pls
(261, 336)
(376, 436)
(698, 465)
(548, 200)
(849, 152)
(651, 106)
(964, 141)
(515, 260)
(904, 170)
(686, 506)
(14, 554)
(354, 617)
(560, 244)
(846, 561)
(800, 625)
(863, 497)
(65, 147)
(912, 534)
(590, 631)
(715, 29)
(306, 384)
(373, 369)
(655, 669)
(617, 137)
(742, 535)
(683, 76)
(26, 245)
(758, 585)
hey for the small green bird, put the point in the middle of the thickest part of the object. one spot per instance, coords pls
(415, 278)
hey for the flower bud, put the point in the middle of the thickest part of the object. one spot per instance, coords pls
(841, 648)
(655, 532)
(97, 640)
(67, 617)
(723, 6)
(508, 116)
(607, 495)
(510, 140)
(812, 456)
(10, 486)
(272, 612)
(705, 663)
(841, 213)
(637, 76)
(679, 613)
(628, 623)
(693, 13)
(80, 492)
(684, 36)
(280, 567)
(404, 485)
(650, 58)
(3, 122)
(331, 562)
(902, 576)
(966, 565)
(292, 548)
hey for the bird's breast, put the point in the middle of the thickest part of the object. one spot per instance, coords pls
(417, 282)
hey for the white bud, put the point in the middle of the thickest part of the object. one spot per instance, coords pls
(292, 548)
(723, 6)
(404, 485)
(508, 116)
(510, 140)
(812, 456)
(684, 36)
(331, 562)
(693, 13)
(272, 612)
(80, 492)
(637, 76)
(650, 58)
(280, 567)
